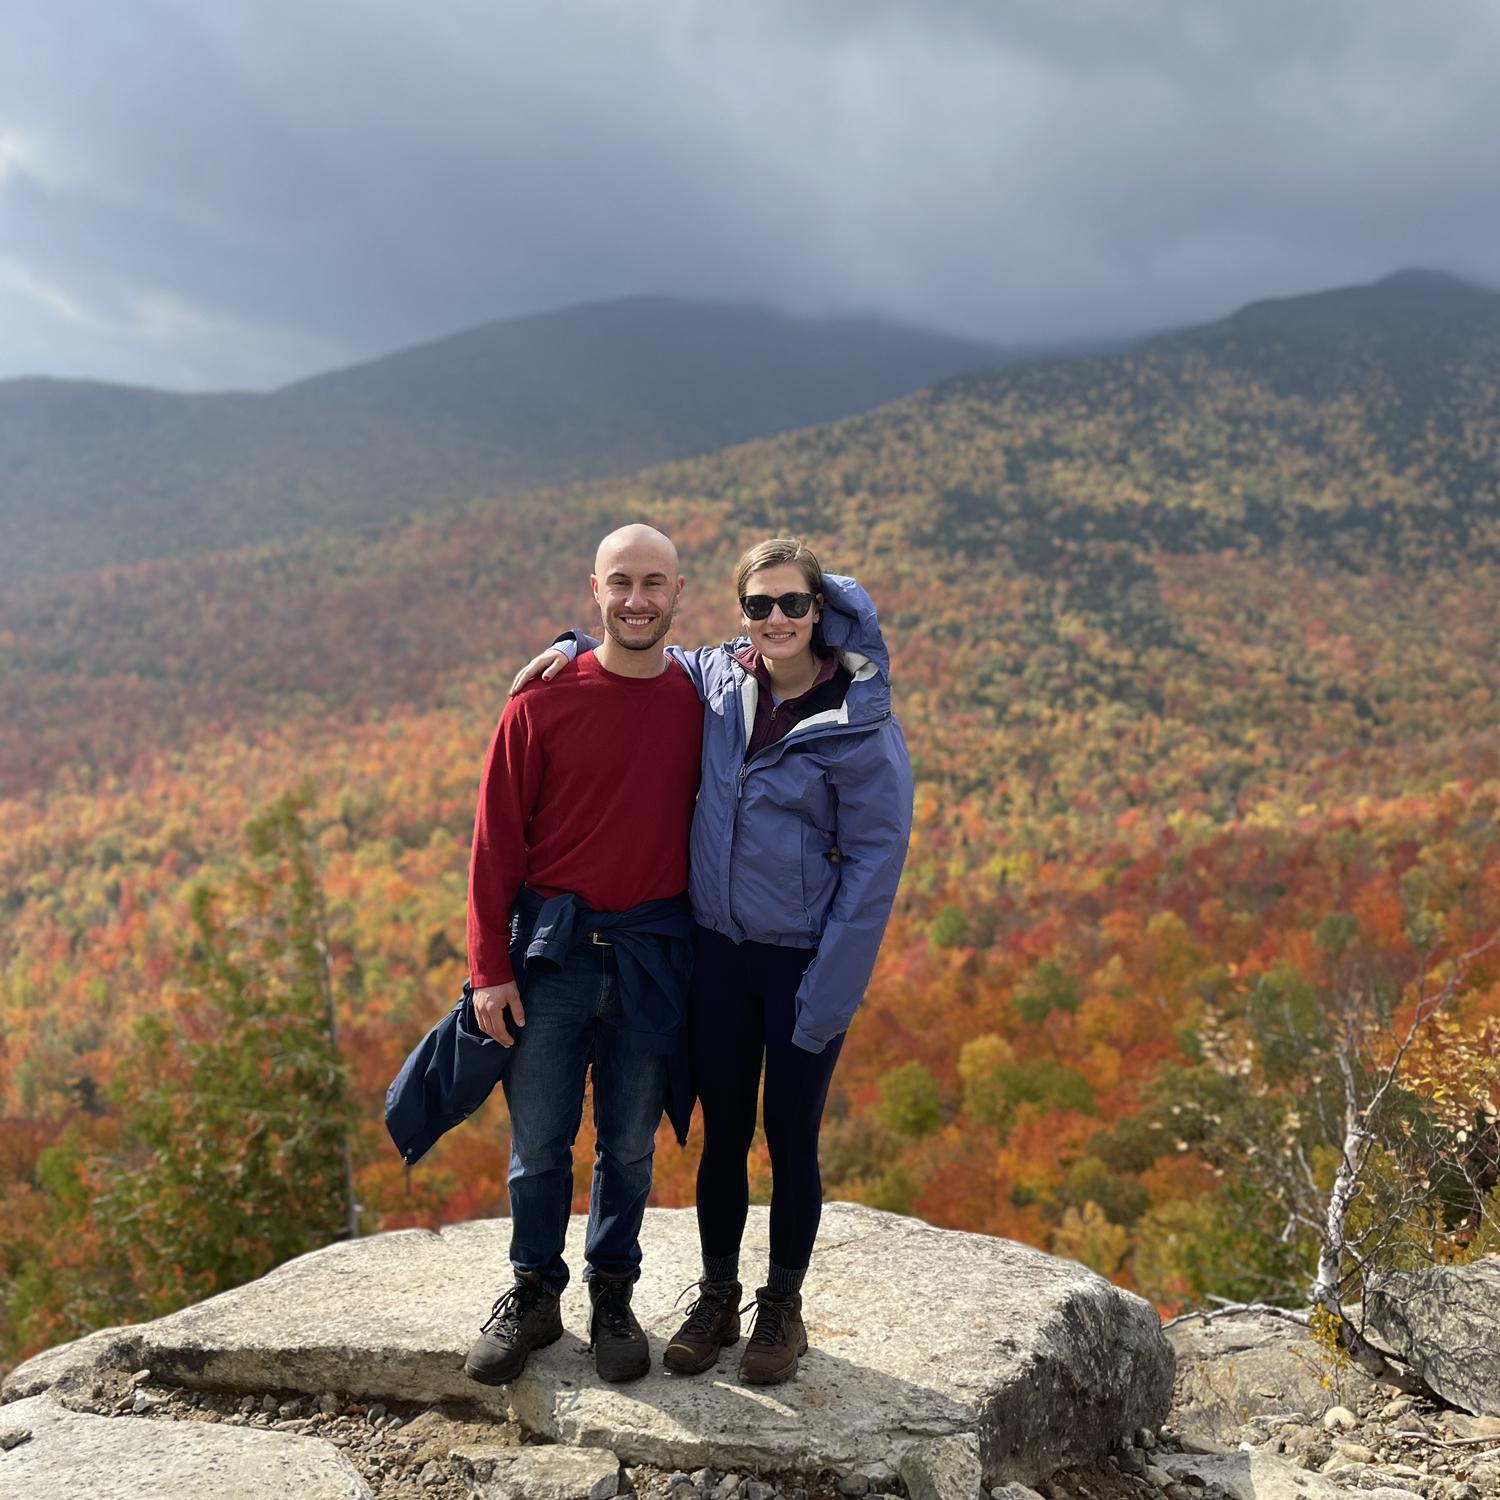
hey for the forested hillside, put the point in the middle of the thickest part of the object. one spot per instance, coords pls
(1196, 649)
(93, 474)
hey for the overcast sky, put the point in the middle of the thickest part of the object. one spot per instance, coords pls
(235, 193)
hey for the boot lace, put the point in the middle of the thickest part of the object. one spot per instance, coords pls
(770, 1327)
(612, 1314)
(506, 1315)
(705, 1311)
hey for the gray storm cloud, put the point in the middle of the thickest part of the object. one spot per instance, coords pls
(238, 194)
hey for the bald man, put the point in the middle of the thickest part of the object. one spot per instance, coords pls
(580, 947)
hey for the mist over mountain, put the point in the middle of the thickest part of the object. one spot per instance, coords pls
(93, 474)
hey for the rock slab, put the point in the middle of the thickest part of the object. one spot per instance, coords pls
(1256, 1475)
(1231, 1369)
(1442, 1323)
(551, 1473)
(917, 1333)
(71, 1454)
(942, 1469)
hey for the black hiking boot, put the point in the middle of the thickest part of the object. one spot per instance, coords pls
(527, 1317)
(713, 1323)
(618, 1341)
(776, 1341)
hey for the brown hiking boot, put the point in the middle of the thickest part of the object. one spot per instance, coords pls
(776, 1341)
(713, 1323)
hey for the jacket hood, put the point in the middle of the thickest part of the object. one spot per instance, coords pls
(851, 626)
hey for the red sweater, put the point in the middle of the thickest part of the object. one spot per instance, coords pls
(588, 787)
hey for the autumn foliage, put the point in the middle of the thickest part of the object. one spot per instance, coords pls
(1197, 658)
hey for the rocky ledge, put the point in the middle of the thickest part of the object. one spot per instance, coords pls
(276, 1389)
(1259, 1415)
(945, 1367)
(938, 1358)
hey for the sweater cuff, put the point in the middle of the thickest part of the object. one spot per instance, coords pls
(490, 977)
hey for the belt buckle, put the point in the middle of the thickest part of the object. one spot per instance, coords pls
(600, 942)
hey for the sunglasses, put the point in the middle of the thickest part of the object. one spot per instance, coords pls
(759, 606)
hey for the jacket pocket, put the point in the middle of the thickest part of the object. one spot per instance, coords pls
(765, 872)
(820, 877)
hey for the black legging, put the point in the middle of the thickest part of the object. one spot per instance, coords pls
(744, 1007)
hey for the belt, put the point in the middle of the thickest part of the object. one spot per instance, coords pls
(600, 942)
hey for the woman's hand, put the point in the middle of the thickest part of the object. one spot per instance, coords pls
(546, 666)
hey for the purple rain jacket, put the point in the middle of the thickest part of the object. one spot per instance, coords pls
(764, 833)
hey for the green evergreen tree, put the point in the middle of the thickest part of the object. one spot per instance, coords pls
(236, 1113)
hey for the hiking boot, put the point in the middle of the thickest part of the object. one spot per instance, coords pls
(527, 1317)
(776, 1340)
(713, 1323)
(618, 1341)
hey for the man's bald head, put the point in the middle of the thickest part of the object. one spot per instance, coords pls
(637, 544)
(636, 586)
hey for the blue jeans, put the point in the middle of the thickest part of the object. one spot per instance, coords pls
(574, 1019)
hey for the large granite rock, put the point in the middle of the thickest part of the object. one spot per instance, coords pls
(66, 1455)
(917, 1333)
(1252, 1365)
(1442, 1323)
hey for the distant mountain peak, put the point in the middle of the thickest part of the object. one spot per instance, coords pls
(1425, 280)
(1403, 300)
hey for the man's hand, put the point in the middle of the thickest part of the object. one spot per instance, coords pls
(546, 666)
(490, 1005)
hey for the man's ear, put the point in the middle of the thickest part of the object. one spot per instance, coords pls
(681, 584)
(594, 585)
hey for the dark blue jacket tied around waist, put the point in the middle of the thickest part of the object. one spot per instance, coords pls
(455, 1067)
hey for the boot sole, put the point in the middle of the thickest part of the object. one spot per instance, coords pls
(682, 1367)
(488, 1377)
(774, 1377)
(619, 1377)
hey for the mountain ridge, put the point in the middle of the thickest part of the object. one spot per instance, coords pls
(92, 473)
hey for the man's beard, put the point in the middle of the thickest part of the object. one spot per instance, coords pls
(639, 642)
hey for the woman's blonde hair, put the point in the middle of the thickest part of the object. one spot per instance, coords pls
(771, 554)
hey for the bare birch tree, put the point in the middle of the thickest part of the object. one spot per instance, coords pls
(1365, 1113)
